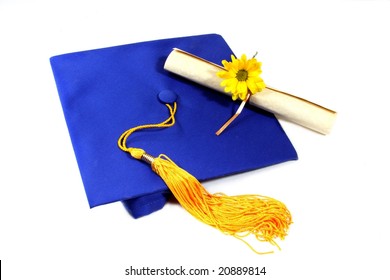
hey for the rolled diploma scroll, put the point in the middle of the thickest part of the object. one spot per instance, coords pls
(283, 105)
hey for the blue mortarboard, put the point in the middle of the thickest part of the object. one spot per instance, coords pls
(105, 91)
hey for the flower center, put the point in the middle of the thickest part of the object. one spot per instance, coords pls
(242, 75)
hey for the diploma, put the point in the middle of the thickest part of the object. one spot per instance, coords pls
(284, 105)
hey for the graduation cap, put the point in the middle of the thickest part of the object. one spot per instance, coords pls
(104, 92)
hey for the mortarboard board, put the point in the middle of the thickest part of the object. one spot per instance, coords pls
(105, 91)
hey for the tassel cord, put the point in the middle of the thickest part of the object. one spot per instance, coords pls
(135, 152)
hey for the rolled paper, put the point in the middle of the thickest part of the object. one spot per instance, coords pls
(284, 105)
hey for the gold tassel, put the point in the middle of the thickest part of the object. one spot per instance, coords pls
(264, 217)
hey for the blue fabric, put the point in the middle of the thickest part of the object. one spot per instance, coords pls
(106, 91)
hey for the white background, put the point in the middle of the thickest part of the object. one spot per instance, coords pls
(333, 53)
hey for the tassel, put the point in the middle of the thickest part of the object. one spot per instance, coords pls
(239, 216)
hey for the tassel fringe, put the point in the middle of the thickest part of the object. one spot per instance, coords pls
(239, 216)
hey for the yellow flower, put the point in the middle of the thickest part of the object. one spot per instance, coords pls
(241, 76)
